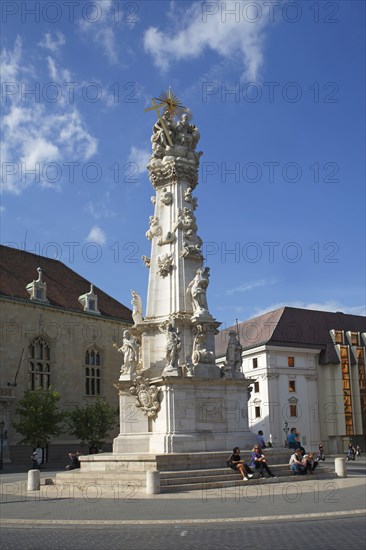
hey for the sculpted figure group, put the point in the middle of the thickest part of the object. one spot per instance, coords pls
(182, 140)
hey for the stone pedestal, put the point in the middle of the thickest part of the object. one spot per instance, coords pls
(194, 415)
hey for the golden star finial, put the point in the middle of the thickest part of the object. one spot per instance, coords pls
(171, 104)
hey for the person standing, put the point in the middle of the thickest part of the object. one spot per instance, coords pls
(37, 456)
(321, 455)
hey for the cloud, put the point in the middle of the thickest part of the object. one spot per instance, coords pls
(106, 38)
(100, 209)
(140, 157)
(57, 74)
(104, 18)
(52, 44)
(34, 133)
(10, 61)
(96, 235)
(249, 286)
(331, 305)
(229, 37)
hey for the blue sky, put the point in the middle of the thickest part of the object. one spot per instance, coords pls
(277, 91)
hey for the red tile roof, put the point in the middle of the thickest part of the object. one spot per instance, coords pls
(64, 286)
(293, 327)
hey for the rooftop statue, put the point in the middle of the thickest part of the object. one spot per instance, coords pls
(173, 134)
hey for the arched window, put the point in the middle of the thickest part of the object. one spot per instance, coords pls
(92, 372)
(39, 368)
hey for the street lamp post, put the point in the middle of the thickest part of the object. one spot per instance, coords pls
(2, 426)
(286, 430)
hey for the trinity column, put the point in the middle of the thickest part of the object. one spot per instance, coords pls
(173, 397)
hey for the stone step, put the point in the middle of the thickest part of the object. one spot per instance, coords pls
(213, 471)
(221, 485)
(224, 475)
(182, 480)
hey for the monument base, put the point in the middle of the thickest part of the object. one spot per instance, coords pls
(194, 415)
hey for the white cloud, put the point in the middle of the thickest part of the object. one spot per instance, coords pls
(39, 150)
(96, 235)
(106, 38)
(52, 44)
(249, 286)
(36, 132)
(331, 305)
(102, 23)
(10, 62)
(57, 74)
(140, 157)
(100, 209)
(233, 37)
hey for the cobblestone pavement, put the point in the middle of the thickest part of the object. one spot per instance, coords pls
(326, 534)
(329, 513)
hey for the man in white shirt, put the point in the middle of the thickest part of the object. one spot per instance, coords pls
(297, 463)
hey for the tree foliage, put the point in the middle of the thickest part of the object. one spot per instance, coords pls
(92, 423)
(39, 418)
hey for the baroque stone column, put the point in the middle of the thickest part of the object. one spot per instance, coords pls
(177, 400)
(178, 330)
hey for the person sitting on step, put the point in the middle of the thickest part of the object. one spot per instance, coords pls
(298, 464)
(259, 461)
(235, 462)
(311, 462)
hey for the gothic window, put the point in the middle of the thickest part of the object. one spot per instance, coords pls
(92, 372)
(39, 358)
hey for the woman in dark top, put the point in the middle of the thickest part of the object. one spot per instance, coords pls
(236, 463)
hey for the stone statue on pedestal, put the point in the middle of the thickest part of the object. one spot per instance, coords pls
(130, 351)
(197, 290)
(177, 351)
(232, 368)
(173, 347)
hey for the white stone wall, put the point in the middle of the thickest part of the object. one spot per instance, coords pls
(273, 375)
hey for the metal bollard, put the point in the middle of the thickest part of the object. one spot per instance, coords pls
(340, 467)
(153, 482)
(34, 480)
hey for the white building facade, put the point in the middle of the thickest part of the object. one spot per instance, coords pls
(308, 369)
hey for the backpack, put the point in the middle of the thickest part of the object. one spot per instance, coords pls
(229, 461)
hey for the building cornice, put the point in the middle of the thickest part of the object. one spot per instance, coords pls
(49, 307)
